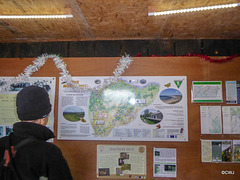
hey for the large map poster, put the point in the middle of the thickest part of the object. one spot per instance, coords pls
(135, 108)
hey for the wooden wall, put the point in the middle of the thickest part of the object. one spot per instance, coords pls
(116, 48)
(81, 155)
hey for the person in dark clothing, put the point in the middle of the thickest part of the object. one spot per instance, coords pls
(36, 159)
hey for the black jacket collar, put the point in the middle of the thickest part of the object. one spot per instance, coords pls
(29, 129)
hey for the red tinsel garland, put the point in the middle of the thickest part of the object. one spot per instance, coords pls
(205, 57)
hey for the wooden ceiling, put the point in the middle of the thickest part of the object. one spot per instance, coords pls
(116, 20)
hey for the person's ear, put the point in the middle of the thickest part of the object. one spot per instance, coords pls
(41, 121)
(44, 121)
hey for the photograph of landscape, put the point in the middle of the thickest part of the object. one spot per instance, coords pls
(73, 113)
(171, 96)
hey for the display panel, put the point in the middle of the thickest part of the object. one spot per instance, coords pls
(139, 108)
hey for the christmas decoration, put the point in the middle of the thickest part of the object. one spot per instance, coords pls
(205, 57)
(123, 64)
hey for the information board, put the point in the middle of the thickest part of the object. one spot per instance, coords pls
(138, 108)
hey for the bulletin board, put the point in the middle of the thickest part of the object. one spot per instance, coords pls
(81, 155)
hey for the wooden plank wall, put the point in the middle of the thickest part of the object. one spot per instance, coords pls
(210, 47)
(81, 155)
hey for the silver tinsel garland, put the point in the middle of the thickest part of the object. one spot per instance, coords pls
(123, 64)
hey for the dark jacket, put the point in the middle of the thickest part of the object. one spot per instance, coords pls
(37, 158)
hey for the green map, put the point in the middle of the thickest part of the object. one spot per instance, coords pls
(118, 104)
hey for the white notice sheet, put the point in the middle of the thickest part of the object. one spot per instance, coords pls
(231, 119)
(211, 120)
(164, 162)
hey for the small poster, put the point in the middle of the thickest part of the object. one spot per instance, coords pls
(233, 92)
(211, 119)
(207, 91)
(164, 162)
(121, 162)
(216, 151)
(8, 115)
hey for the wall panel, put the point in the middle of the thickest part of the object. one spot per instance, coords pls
(81, 155)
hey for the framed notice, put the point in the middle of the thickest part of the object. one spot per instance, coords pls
(207, 91)
(121, 162)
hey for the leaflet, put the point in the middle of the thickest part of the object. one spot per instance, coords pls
(233, 92)
(236, 151)
(206, 149)
(124, 162)
(164, 162)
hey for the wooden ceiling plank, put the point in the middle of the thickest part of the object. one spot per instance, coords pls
(81, 20)
(19, 6)
(117, 20)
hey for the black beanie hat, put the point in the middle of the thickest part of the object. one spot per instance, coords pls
(33, 103)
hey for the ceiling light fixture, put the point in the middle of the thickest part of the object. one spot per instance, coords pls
(193, 9)
(34, 16)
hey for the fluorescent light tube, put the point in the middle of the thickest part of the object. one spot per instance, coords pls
(193, 9)
(33, 16)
